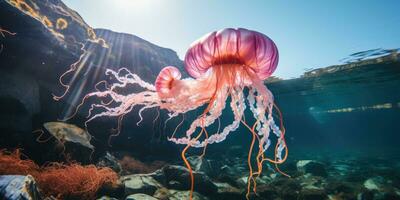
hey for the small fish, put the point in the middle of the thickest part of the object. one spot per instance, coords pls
(68, 132)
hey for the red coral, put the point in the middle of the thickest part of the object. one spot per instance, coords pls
(11, 163)
(60, 180)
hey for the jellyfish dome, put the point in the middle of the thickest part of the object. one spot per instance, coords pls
(222, 65)
(229, 47)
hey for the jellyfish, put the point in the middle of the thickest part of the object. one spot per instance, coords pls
(222, 65)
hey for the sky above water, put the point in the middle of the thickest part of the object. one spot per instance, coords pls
(309, 34)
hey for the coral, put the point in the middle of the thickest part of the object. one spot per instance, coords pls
(70, 180)
(75, 180)
(61, 23)
(12, 164)
(46, 21)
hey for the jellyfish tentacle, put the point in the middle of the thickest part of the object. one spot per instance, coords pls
(250, 178)
(129, 78)
(183, 155)
(2, 31)
(73, 67)
(41, 132)
(179, 125)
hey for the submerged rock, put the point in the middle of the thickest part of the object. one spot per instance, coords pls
(340, 187)
(227, 191)
(375, 183)
(162, 194)
(313, 167)
(107, 198)
(110, 161)
(179, 195)
(140, 196)
(267, 192)
(287, 188)
(313, 194)
(207, 166)
(177, 177)
(16, 187)
(312, 182)
(140, 183)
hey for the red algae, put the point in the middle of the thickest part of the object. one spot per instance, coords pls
(59, 180)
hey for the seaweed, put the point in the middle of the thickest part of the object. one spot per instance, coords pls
(61, 180)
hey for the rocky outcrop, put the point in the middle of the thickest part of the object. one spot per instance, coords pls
(140, 183)
(313, 167)
(108, 160)
(177, 177)
(49, 37)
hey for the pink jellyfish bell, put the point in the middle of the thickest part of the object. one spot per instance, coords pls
(222, 64)
(165, 81)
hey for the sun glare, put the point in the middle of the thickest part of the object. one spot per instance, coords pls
(134, 5)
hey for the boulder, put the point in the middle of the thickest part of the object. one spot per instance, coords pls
(107, 198)
(313, 167)
(177, 177)
(227, 191)
(140, 183)
(207, 166)
(374, 183)
(162, 194)
(179, 195)
(312, 182)
(287, 188)
(108, 160)
(313, 194)
(16, 187)
(140, 196)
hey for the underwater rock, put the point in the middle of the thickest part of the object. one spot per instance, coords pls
(179, 195)
(313, 194)
(235, 173)
(313, 167)
(290, 168)
(391, 195)
(209, 167)
(108, 160)
(140, 196)
(261, 180)
(20, 103)
(140, 183)
(227, 191)
(336, 187)
(287, 188)
(374, 183)
(130, 165)
(107, 198)
(267, 192)
(177, 177)
(366, 195)
(312, 182)
(162, 194)
(242, 181)
(17, 187)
